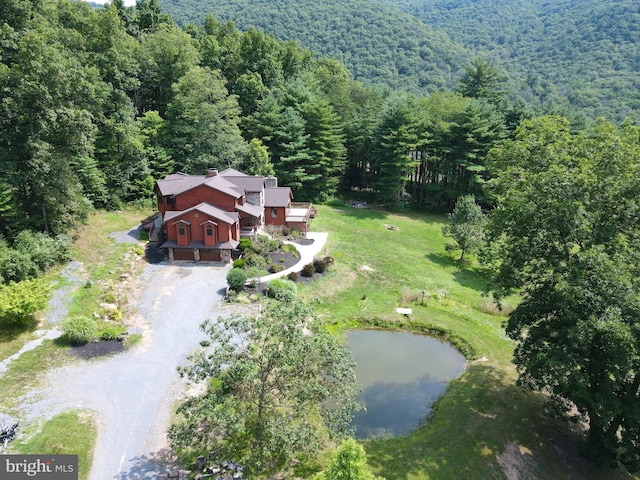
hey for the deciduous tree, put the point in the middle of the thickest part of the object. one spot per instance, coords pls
(466, 226)
(349, 462)
(203, 122)
(567, 229)
(278, 387)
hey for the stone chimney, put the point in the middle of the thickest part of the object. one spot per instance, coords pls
(212, 172)
(271, 182)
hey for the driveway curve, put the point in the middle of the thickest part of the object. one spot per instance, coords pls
(132, 394)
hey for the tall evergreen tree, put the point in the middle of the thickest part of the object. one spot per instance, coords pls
(203, 123)
(394, 140)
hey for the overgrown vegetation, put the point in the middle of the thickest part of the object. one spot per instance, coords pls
(31, 254)
(272, 400)
(20, 301)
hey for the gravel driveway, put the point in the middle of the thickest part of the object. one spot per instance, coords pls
(133, 393)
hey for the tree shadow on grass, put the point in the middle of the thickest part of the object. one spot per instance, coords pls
(9, 333)
(464, 274)
(362, 213)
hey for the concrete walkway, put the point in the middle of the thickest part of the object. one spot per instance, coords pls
(307, 254)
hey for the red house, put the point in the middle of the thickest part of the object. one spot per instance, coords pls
(203, 217)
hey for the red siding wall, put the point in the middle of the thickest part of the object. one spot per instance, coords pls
(280, 219)
(224, 231)
(203, 193)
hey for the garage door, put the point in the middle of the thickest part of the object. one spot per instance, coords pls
(180, 254)
(210, 255)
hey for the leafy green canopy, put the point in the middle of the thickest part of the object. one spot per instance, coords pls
(466, 226)
(349, 462)
(566, 234)
(278, 388)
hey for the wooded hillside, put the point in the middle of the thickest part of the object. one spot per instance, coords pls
(587, 51)
(378, 44)
(582, 54)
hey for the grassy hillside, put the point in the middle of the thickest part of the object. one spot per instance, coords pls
(377, 43)
(484, 427)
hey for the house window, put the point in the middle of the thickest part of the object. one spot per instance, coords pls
(209, 230)
(274, 212)
(181, 230)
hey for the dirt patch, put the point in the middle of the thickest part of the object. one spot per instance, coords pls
(516, 462)
(98, 349)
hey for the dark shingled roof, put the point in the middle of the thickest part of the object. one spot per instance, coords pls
(277, 197)
(253, 210)
(179, 183)
(247, 183)
(232, 172)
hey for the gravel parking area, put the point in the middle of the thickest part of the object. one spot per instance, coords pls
(132, 393)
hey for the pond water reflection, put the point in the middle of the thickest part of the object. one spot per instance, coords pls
(400, 375)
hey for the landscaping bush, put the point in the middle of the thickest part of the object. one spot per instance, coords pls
(80, 329)
(319, 265)
(110, 331)
(293, 276)
(263, 245)
(255, 260)
(20, 301)
(282, 289)
(239, 263)
(328, 260)
(273, 268)
(287, 247)
(245, 244)
(236, 279)
(308, 270)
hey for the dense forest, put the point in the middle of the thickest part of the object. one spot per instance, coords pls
(585, 51)
(378, 44)
(584, 54)
(98, 103)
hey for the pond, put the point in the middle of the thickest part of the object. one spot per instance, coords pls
(400, 375)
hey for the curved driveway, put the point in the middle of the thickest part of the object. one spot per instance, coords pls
(133, 393)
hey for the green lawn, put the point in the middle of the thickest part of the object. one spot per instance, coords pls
(483, 414)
